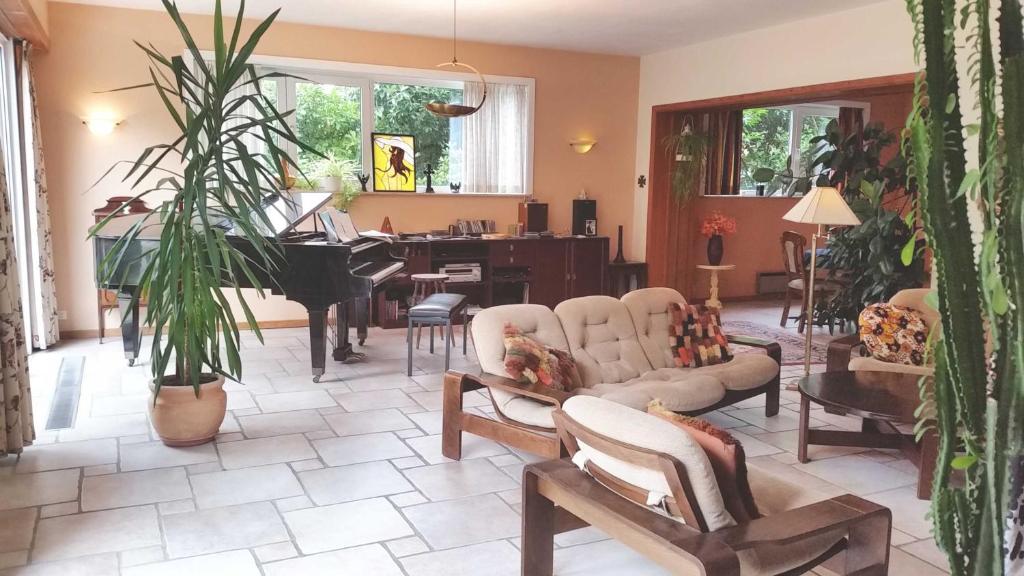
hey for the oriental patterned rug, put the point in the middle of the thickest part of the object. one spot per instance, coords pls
(791, 342)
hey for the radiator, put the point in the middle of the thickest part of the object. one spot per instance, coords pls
(771, 282)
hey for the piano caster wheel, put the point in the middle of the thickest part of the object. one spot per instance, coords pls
(316, 379)
(131, 362)
(362, 341)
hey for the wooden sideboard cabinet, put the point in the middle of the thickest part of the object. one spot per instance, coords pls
(536, 270)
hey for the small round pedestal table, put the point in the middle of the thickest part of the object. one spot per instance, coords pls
(713, 300)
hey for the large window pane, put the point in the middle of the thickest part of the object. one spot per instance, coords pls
(810, 127)
(327, 118)
(766, 133)
(399, 109)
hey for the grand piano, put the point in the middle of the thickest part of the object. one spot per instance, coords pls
(316, 270)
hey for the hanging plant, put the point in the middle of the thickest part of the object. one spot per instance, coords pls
(688, 149)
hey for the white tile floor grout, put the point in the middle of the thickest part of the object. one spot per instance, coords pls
(344, 476)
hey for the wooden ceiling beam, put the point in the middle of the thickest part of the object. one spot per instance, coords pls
(19, 20)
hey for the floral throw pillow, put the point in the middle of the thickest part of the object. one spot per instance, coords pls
(530, 361)
(696, 337)
(894, 334)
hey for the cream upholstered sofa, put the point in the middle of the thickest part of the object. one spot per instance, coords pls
(621, 349)
(629, 471)
(848, 353)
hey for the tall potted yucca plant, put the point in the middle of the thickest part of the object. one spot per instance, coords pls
(978, 393)
(226, 159)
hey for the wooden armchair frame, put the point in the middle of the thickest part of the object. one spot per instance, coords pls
(558, 497)
(840, 351)
(543, 441)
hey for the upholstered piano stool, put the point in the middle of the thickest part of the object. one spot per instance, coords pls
(439, 310)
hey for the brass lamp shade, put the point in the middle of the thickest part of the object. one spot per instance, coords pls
(823, 205)
(447, 110)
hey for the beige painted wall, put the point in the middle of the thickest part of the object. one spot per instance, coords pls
(91, 50)
(875, 40)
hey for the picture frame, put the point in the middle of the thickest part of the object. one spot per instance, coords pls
(394, 162)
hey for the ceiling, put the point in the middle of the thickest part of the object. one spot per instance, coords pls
(632, 27)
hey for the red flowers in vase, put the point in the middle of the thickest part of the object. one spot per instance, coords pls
(718, 225)
(714, 226)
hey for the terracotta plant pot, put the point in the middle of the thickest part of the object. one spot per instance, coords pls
(182, 419)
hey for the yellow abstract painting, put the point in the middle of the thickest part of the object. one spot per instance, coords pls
(394, 162)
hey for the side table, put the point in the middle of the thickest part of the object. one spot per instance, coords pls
(622, 275)
(713, 300)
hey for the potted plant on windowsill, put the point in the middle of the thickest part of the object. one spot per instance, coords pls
(227, 158)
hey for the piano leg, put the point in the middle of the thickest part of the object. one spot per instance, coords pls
(362, 306)
(343, 351)
(131, 337)
(318, 341)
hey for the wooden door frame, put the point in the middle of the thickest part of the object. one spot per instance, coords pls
(661, 212)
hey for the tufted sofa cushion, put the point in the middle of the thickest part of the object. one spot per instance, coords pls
(533, 320)
(648, 307)
(602, 340)
(488, 329)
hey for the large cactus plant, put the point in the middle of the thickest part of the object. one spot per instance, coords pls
(978, 391)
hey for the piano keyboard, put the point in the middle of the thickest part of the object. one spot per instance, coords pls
(378, 271)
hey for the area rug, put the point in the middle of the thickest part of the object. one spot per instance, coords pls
(792, 343)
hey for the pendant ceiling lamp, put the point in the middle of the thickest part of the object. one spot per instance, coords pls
(455, 110)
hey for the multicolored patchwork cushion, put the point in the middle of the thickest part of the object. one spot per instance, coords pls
(530, 361)
(696, 337)
(894, 334)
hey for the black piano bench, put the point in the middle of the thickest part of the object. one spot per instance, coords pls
(439, 310)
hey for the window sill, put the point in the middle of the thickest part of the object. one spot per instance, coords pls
(440, 195)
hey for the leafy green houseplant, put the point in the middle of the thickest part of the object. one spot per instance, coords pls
(978, 391)
(885, 252)
(784, 182)
(688, 149)
(227, 158)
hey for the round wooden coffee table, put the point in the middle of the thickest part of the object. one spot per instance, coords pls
(883, 400)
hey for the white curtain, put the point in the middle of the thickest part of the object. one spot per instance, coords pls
(43, 298)
(495, 139)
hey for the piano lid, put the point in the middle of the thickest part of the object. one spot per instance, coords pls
(285, 211)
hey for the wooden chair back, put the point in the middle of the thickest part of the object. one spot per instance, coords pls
(681, 503)
(793, 245)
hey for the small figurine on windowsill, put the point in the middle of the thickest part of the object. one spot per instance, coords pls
(455, 186)
(363, 180)
(430, 178)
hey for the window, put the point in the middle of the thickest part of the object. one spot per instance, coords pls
(779, 138)
(337, 106)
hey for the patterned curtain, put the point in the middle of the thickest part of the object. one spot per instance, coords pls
(16, 426)
(724, 130)
(42, 290)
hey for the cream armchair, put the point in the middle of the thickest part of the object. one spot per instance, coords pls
(848, 353)
(615, 363)
(647, 483)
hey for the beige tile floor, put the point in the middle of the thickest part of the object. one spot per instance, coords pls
(341, 477)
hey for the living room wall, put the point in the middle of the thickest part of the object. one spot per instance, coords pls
(577, 95)
(817, 50)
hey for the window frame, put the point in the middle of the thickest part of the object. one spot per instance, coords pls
(365, 76)
(797, 114)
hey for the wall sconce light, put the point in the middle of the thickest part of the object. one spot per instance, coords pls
(582, 146)
(101, 125)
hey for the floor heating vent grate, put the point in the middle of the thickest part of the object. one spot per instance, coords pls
(64, 408)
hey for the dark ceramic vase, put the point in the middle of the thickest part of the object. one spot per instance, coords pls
(715, 250)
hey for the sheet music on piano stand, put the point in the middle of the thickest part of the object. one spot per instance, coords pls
(343, 225)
